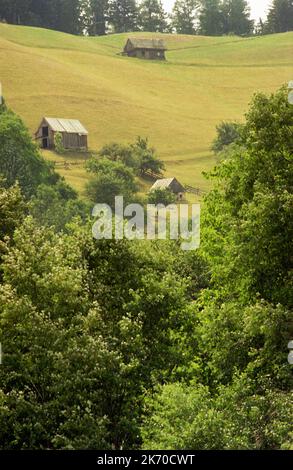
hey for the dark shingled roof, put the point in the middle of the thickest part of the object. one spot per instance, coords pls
(144, 43)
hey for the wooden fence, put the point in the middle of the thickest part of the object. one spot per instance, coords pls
(149, 174)
(66, 164)
(188, 188)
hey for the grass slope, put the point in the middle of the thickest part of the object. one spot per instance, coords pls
(177, 104)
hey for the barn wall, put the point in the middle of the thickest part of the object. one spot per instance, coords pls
(74, 141)
(70, 141)
(151, 54)
(154, 54)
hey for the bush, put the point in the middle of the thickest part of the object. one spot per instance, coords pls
(227, 133)
(20, 159)
(58, 142)
(236, 418)
(111, 178)
(161, 196)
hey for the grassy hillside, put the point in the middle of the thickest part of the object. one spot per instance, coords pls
(177, 104)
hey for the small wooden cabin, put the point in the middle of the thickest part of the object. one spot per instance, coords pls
(152, 49)
(172, 184)
(74, 135)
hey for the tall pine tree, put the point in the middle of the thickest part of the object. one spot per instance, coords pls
(210, 18)
(123, 15)
(152, 16)
(184, 16)
(15, 11)
(236, 17)
(280, 17)
(94, 16)
(68, 18)
(62, 15)
(259, 29)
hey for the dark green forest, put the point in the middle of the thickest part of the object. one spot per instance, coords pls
(99, 17)
(119, 344)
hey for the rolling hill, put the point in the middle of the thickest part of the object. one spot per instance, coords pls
(177, 104)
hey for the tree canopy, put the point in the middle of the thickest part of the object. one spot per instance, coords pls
(133, 344)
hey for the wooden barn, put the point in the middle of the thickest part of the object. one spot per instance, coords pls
(172, 184)
(74, 135)
(152, 49)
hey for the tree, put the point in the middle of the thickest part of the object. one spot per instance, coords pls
(58, 142)
(123, 15)
(55, 206)
(120, 152)
(111, 179)
(161, 196)
(280, 16)
(146, 157)
(94, 16)
(227, 133)
(68, 16)
(236, 17)
(253, 197)
(146, 321)
(15, 11)
(79, 359)
(260, 28)
(152, 16)
(19, 157)
(210, 18)
(184, 15)
(207, 422)
(241, 379)
(44, 13)
(62, 15)
(51, 395)
(12, 213)
(3, 106)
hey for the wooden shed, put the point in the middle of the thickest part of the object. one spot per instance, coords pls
(74, 135)
(172, 184)
(153, 49)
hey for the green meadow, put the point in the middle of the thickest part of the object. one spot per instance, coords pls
(176, 104)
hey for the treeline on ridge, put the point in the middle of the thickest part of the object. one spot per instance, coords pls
(99, 17)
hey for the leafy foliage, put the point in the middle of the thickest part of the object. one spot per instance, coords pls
(184, 16)
(280, 17)
(146, 157)
(58, 142)
(118, 344)
(123, 15)
(247, 228)
(112, 178)
(152, 16)
(19, 157)
(188, 417)
(227, 133)
(161, 196)
(57, 206)
(121, 153)
(240, 395)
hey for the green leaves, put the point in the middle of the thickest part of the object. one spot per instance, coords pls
(246, 225)
(238, 394)
(96, 334)
(227, 133)
(20, 160)
(189, 417)
(112, 178)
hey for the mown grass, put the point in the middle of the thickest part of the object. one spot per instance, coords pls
(177, 104)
